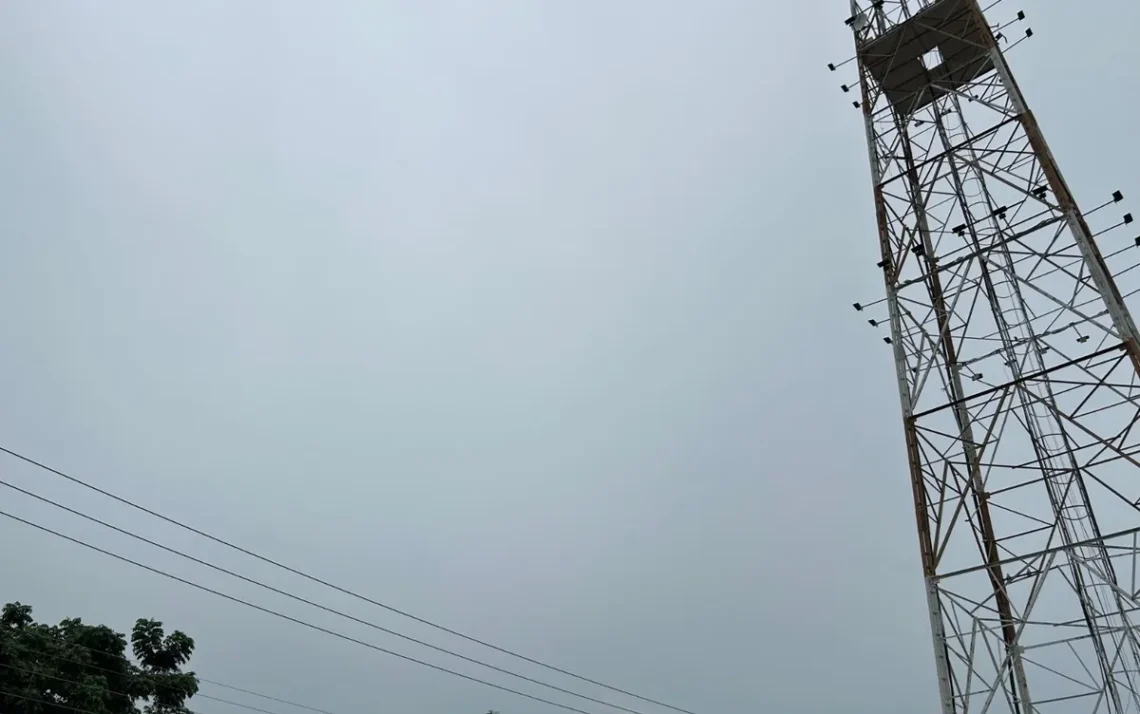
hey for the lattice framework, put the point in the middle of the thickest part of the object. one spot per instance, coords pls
(1017, 363)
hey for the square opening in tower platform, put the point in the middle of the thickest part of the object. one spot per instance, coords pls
(940, 49)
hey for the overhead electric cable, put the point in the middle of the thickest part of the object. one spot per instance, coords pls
(97, 668)
(247, 707)
(306, 601)
(289, 618)
(325, 583)
(42, 702)
(110, 691)
(263, 696)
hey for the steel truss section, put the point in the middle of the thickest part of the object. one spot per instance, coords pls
(1017, 363)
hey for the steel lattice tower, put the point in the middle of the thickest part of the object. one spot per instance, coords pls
(1017, 363)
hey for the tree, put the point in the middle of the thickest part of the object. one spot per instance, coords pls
(58, 669)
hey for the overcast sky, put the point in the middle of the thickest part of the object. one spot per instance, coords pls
(532, 318)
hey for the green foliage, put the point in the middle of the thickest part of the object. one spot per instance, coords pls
(57, 669)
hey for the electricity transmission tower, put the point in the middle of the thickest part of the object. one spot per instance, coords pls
(1017, 363)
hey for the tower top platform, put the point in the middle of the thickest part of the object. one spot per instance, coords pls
(940, 49)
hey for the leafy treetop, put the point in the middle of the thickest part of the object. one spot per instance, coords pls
(58, 669)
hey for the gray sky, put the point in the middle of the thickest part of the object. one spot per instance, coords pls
(532, 318)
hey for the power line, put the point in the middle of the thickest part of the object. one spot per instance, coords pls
(109, 691)
(247, 707)
(97, 668)
(268, 611)
(306, 601)
(263, 696)
(200, 679)
(325, 583)
(45, 703)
